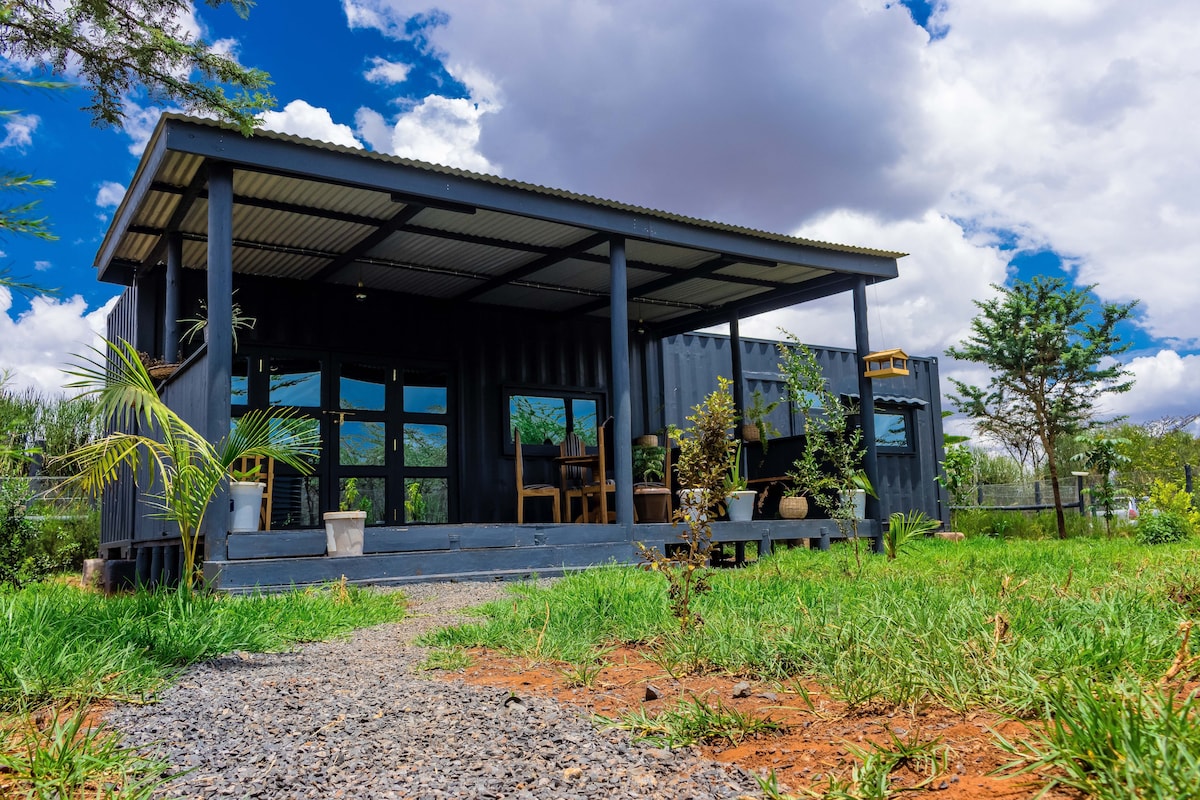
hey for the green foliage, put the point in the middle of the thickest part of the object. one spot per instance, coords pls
(1156, 451)
(904, 529)
(1118, 741)
(830, 467)
(67, 533)
(119, 45)
(648, 463)
(198, 324)
(693, 721)
(186, 470)
(18, 537)
(451, 659)
(1028, 525)
(1050, 355)
(414, 503)
(757, 415)
(72, 756)
(1164, 527)
(1171, 498)
(958, 474)
(1102, 455)
(706, 455)
(735, 481)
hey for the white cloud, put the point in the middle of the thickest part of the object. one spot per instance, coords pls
(110, 194)
(438, 129)
(39, 343)
(1165, 384)
(299, 118)
(139, 125)
(18, 130)
(42, 266)
(387, 72)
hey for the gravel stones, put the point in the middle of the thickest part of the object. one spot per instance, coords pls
(355, 719)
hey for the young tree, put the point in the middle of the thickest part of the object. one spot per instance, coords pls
(1051, 358)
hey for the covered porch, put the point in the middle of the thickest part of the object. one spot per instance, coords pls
(403, 306)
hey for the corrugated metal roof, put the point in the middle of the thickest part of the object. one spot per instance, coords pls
(288, 223)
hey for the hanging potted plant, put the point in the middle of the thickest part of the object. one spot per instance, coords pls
(344, 528)
(757, 428)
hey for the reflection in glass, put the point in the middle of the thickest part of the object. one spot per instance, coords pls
(371, 497)
(239, 381)
(584, 423)
(425, 500)
(425, 445)
(361, 444)
(541, 420)
(891, 430)
(424, 392)
(363, 387)
(295, 382)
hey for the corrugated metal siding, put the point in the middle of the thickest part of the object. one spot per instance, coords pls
(117, 503)
(691, 363)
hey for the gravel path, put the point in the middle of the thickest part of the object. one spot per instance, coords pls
(356, 719)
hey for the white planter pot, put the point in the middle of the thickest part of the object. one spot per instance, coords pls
(860, 503)
(741, 505)
(344, 532)
(247, 505)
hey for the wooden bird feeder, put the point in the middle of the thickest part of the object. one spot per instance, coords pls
(886, 364)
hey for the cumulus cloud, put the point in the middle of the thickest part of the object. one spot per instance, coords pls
(18, 130)
(40, 342)
(110, 194)
(43, 266)
(387, 72)
(438, 129)
(300, 118)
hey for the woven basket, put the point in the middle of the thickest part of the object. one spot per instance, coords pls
(749, 432)
(160, 371)
(649, 440)
(793, 507)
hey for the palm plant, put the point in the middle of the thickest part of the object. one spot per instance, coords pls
(185, 469)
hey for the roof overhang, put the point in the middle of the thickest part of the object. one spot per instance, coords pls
(313, 211)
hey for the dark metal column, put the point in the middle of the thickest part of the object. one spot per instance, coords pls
(218, 357)
(622, 405)
(171, 297)
(735, 358)
(867, 400)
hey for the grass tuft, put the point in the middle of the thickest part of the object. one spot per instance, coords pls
(693, 721)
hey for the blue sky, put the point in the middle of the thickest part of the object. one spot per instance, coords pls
(989, 141)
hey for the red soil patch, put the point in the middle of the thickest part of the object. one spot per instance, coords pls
(814, 741)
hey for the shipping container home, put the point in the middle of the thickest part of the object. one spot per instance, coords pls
(417, 313)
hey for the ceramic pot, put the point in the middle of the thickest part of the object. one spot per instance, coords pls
(740, 505)
(344, 532)
(247, 505)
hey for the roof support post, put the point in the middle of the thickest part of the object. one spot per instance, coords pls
(735, 364)
(867, 400)
(218, 358)
(171, 291)
(622, 405)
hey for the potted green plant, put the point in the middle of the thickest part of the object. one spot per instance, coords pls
(186, 470)
(757, 427)
(651, 496)
(739, 499)
(345, 527)
(198, 325)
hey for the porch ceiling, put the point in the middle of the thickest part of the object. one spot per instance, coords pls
(313, 211)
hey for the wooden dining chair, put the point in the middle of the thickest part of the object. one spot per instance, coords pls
(573, 477)
(528, 490)
(601, 486)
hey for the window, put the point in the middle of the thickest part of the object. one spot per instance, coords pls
(545, 418)
(893, 430)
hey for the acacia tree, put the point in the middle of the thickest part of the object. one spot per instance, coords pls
(115, 47)
(1049, 350)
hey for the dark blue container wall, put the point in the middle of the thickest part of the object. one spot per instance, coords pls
(118, 502)
(907, 481)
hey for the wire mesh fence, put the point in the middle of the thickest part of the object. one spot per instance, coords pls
(1028, 495)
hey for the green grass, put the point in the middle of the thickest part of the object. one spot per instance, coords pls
(988, 623)
(62, 647)
(692, 720)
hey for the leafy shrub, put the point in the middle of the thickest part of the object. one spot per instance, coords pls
(17, 535)
(1173, 499)
(1163, 527)
(66, 534)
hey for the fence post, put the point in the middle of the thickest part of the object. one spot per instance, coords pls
(1037, 493)
(1187, 478)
